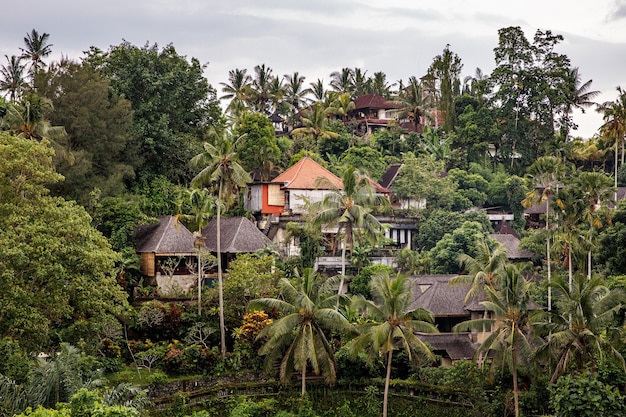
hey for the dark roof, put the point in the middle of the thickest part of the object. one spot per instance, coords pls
(373, 101)
(239, 235)
(457, 345)
(390, 175)
(165, 237)
(442, 299)
(511, 244)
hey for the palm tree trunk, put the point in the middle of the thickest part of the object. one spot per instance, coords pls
(219, 272)
(387, 379)
(515, 393)
(199, 285)
(303, 391)
(548, 255)
(589, 251)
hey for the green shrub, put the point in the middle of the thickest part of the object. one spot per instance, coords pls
(585, 396)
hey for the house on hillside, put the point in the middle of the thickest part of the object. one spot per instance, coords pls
(387, 180)
(513, 251)
(284, 199)
(447, 304)
(238, 235)
(168, 252)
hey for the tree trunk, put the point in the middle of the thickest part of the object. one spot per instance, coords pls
(548, 254)
(199, 285)
(303, 391)
(387, 379)
(515, 393)
(219, 272)
(589, 252)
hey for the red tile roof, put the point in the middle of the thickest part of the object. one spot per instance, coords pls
(305, 175)
(373, 101)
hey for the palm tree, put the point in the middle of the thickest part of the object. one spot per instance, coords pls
(314, 124)
(572, 206)
(413, 102)
(615, 125)
(317, 90)
(199, 206)
(545, 173)
(12, 77)
(342, 81)
(484, 270)
(585, 311)
(36, 48)
(596, 193)
(260, 91)
(237, 90)
(306, 312)
(578, 96)
(511, 305)
(294, 92)
(392, 323)
(341, 106)
(378, 85)
(350, 210)
(220, 169)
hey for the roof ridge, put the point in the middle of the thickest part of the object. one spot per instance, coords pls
(163, 232)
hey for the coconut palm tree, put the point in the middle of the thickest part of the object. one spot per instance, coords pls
(306, 312)
(197, 206)
(294, 92)
(317, 90)
(341, 106)
(571, 207)
(12, 77)
(615, 125)
(596, 191)
(350, 209)
(511, 306)
(36, 48)
(576, 328)
(221, 171)
(314, 124)
(545, 173)
(483, 270)
(237, 90)
(413, 102)
(342, 81)
(392, 323)
(578, 96)
(261, 88)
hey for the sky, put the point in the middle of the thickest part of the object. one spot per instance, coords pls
(317, 37)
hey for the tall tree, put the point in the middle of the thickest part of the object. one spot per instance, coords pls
(173, 105)
(392, 323)
(315, 125)
(299, 334)
(446, 69)
(294, 92)
(579, 97)
(260, 90)
(237, 90)
(258, 151)
(220, 170)
(350, 209)
(342, 81)
(12, 77)
(577, 328)
(511, 305)
(614, 126)
(546, 174)
(36, 49)
(413, 103)
(56, 269)
(596, 193)
(484, 269)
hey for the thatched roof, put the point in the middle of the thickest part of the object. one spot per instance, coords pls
(442, 299)
(239, 235)
(165, 237)
(457, 345)
(511, 244)
(390, 175)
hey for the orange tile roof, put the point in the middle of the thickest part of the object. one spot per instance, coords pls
(304, 175)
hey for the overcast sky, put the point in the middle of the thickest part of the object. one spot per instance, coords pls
(317, 37)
